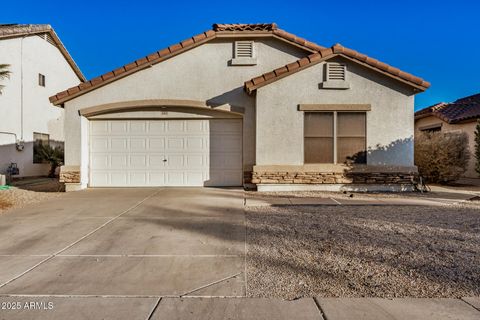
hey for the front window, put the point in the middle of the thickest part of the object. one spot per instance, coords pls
(335, 137)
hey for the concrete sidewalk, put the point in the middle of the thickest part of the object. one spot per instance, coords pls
(133, 308)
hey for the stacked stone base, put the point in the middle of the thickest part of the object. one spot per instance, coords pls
(279, 177)
(69, 175)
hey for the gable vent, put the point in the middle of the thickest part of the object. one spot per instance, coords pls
(244, 49)
(336, 71)
(47, 37)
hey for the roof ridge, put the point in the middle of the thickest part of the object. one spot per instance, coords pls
(325, 53)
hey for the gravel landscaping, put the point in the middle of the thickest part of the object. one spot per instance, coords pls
(17, 198)
(363, 251)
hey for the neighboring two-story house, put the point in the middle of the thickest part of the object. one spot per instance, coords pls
(458, 116)
(40, 66)
(241, 104)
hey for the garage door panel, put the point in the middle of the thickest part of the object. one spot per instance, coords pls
(196, 126)
(156, 178)
(118, 161)
(118, 178)
(99, 127)
(166, 153)
(118, 127)
(138, 144)
(155, 161)
(156, 144)
(174, 161)
(138, 127)
(138, 178)
(119, 144)
(99, 144)
(196, 143)
(99, 161)
(138, 161)
(175, 126)
(196, 161)
(155, 127)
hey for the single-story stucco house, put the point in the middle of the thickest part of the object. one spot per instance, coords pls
(458, 116)
(243, 104)
(39, 66)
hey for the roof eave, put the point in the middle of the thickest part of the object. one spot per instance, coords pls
(48, 29)
(251, 88)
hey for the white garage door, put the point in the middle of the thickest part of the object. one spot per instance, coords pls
(165, 153)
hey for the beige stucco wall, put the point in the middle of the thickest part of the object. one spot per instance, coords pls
(468, 128)
(389, 123)
(202, 74)
(39, 115)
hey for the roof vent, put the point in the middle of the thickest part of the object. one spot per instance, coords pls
(244, 54)
(335, 76)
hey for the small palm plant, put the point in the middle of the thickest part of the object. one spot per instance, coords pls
(52, 155)
(4, 74)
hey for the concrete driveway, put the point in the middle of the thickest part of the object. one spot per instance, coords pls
(126, 243)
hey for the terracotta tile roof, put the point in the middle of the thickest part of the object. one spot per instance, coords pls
(164, 54)
(328, 53)
(14, 30)
(462, 110)
(244, 27)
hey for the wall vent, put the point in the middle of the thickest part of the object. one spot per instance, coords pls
(335, 76)
(244, 53)
(244, 49)
(336, 71)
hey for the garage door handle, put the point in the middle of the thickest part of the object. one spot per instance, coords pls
(164, 160)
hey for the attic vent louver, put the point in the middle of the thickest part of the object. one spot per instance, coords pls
(335, 76)
(244, 49)
(336, 71)
(244, 53)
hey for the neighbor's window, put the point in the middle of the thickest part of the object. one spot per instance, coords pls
(41, 80)
(335, 137)
(39, 139)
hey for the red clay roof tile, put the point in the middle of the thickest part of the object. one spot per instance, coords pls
(164, 52)
(130, 66)
(244, 27)
(118, 71)
(152, 57)
(462, 110)
(325, 54)
(236, 30)
(187, 43)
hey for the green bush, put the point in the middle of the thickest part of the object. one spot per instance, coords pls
(441, 157)
(52, 155)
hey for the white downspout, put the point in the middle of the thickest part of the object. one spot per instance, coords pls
(21, 88)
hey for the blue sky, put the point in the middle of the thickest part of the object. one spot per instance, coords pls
(436, 40)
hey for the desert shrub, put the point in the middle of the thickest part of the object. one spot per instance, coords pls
(441, 157)
(52, 155)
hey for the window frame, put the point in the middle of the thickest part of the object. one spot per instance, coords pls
(41, 80)
(335, 134)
